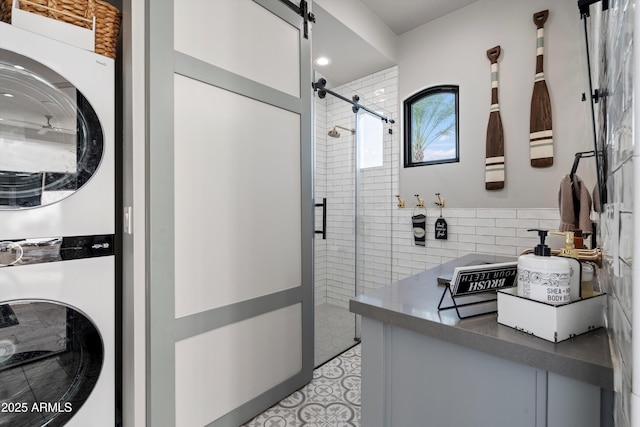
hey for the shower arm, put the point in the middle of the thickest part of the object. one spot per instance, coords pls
(344, 128)
(322, 91)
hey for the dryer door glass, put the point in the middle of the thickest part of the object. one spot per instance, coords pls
(50, 359)
(51, 140)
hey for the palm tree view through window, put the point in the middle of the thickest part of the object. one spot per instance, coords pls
(431, 127)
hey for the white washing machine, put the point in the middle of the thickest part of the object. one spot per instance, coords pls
(57, 225)
(56, 138)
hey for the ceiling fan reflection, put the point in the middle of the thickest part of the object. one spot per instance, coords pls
(12, 125)
(49, 127)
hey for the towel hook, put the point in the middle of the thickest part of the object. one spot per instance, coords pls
(400, 201)
(440, 203)
(420, 201)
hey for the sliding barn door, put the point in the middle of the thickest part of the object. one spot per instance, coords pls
(230, 220)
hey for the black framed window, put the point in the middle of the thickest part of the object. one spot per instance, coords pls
(431, 127)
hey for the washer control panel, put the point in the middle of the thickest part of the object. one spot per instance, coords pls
(51, 249)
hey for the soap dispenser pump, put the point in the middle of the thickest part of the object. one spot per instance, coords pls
(541, 249)
(542, 277)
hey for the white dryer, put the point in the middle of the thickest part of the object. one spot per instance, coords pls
(57, 225)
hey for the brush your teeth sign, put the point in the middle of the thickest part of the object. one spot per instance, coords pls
(475, 279)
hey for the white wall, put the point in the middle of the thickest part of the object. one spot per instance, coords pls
(452, 50)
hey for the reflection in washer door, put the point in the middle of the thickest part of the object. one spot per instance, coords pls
(50, 360)
(51, 140)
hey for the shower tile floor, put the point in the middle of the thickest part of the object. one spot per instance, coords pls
(331, 399)
(334, 332)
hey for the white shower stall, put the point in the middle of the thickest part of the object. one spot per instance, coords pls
(356, 160)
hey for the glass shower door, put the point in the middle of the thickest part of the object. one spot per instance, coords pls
(353, 176)
(334, 259)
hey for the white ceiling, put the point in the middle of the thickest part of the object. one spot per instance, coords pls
(405, 15)
(352, 56)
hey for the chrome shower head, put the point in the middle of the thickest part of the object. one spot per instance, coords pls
(333, 133)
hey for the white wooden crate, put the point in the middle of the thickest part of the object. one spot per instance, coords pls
(553, 323)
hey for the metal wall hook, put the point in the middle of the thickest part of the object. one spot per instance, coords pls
(440, 203)
(420, 201)
(400, 201)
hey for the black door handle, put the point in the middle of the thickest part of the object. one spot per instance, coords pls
(324, 218)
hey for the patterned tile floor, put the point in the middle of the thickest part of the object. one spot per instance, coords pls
(331, 399)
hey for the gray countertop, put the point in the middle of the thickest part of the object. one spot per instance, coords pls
(412, 303)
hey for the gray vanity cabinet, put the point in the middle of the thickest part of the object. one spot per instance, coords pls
(410, 379)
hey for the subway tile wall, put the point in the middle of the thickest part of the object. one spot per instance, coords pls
(336, 180)
(491, 231)
(611, 37)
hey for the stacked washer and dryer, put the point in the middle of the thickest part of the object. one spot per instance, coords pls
(57, 225)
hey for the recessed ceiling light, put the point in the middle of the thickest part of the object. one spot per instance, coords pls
(8, 95)
(323, 60)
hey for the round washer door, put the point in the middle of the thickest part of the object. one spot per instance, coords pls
(51, 140)
(51, 356)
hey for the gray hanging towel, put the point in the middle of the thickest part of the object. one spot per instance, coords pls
(575, 206)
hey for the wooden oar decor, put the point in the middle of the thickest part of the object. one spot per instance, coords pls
(541, 133)
(494, 164)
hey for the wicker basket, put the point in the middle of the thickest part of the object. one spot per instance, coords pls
(76, 12)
